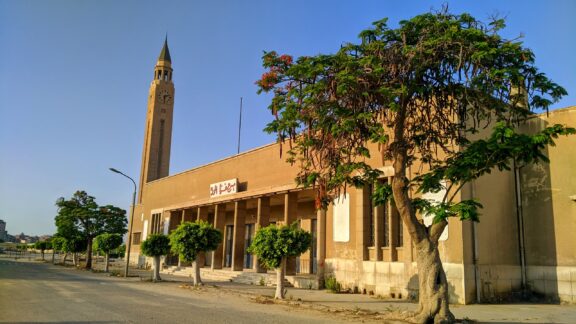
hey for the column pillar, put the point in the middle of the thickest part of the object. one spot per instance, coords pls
(379, 215)
(219, 221)
(290, 215)
(238, 239)
(321, 245)
(181, 221)
(202, 214)
(262, 220)
(393, 218)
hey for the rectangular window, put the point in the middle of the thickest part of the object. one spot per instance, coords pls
(372, 230)
(399, 228)
(156, 224)
(384, 218)
(136, 238)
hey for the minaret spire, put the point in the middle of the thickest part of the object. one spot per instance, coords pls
(165, 53)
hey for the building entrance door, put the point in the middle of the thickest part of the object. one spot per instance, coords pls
(228, 246)
(249, 236)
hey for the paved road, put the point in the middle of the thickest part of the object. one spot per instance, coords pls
(40, 292)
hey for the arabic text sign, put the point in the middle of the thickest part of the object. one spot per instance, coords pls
(224, 188)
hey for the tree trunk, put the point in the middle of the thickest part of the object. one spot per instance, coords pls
(107, 257)
(433, 286)
(53, 256)
(42, 254)
(89, 254)
(196, 267)
(156, 271)
(280, 279)
(64, 258)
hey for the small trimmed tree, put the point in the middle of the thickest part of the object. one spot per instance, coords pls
(274, 245)
(58, 245)
(121, 251)
(105, 243)
(75, 245)
(42, 246)
(191, 238)
(155, 246)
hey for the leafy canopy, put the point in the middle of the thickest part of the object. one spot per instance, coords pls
(416, 94)
(81, 216)
(107, 242)
(190, 238)
(272, 243)
(75, 244)
(155, 245)
(58, 243)
(42, 245)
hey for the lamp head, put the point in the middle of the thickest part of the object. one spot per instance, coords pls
(114, 170)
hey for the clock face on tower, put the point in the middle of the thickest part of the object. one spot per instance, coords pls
(164, 96)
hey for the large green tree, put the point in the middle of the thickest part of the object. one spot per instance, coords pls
(106, 243)
(415, 95)
(81, 216)
(191, 238)
(274, 245)
(155, 246)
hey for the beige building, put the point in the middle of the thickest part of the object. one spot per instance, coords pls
(525, 237)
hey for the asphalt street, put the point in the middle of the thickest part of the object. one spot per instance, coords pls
(44, 293)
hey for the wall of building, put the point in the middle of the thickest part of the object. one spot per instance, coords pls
(550, 212)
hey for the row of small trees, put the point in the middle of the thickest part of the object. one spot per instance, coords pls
(272, 244)
(105, 243)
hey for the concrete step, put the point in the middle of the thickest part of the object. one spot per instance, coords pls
(244, 277)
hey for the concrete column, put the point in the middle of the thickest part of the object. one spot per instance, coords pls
(202, 214)
(290, 215)
(262, 220)
(379, 214)
(238, 238)
(393, 219)
(321, 244)
(181, 221)
(219, 221)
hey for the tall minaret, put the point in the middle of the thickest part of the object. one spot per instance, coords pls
(158, 131)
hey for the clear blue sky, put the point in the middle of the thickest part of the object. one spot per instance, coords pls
(74, 79)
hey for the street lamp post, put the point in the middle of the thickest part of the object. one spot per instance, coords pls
(129, 245)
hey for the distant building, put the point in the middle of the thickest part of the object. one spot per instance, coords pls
(3, 233)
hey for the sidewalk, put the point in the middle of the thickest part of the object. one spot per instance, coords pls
(483, 313)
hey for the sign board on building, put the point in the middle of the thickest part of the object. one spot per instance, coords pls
(224, 188)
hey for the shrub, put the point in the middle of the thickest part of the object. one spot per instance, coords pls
(332, 284)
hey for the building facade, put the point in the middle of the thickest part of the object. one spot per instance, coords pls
(524, 239)
(3, 233)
